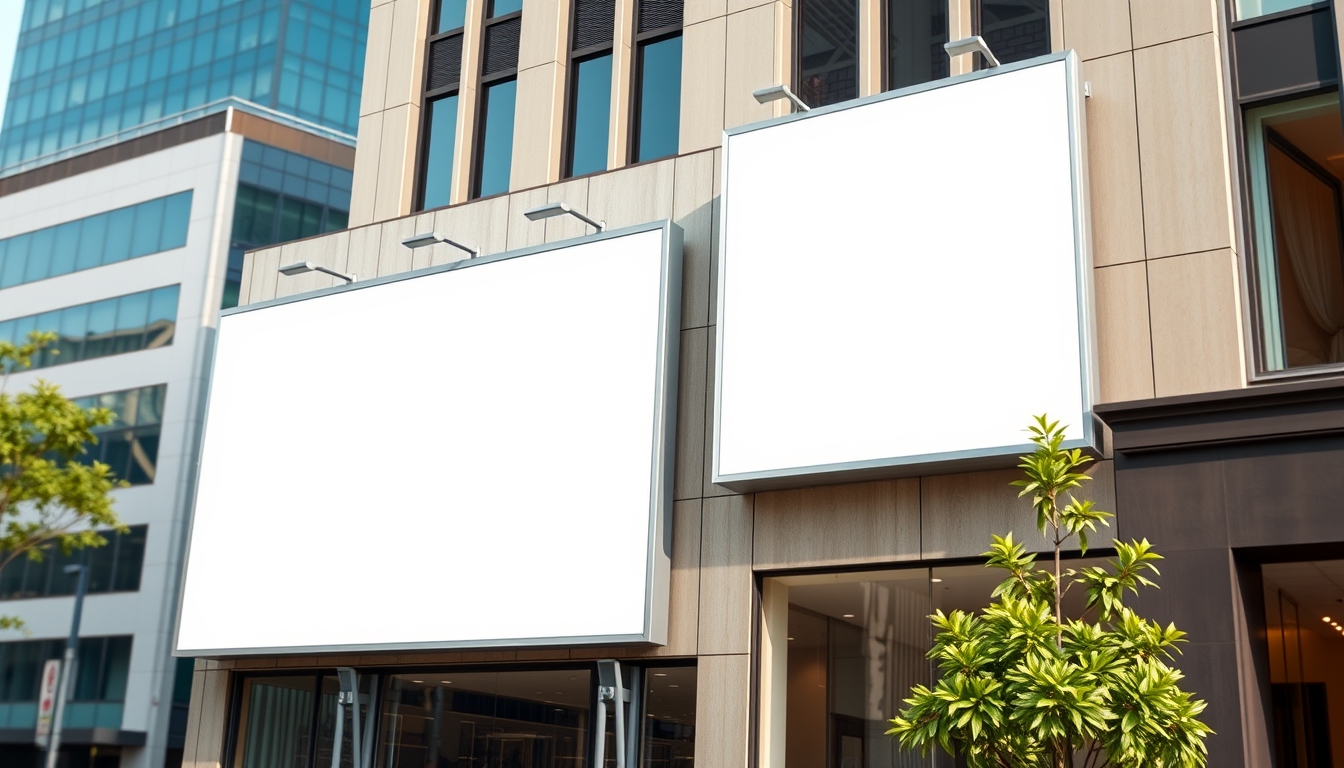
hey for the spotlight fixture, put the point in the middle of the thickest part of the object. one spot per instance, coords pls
(974, 44)
(1326, 619)
(434, 238)
(301, 267)
(936, 581)
(849, 616)
(562, 209)
(780, 93)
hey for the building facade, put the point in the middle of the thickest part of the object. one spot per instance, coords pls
(796, 613)
(147, 146)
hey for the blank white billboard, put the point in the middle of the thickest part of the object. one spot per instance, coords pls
(474, 455)
(904, 281)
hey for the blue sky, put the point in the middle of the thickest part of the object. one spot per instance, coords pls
(10, 12)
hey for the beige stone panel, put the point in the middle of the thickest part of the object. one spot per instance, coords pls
(1160, 21)
(365, 243)
(406, 56)
(538, 126)
(1115, 189)
(871, 48)
(704, 47)
(265, 267)
(574, 192)
(396, 162)
(393, 257)
(364, 188)
(1056, 11)
(710, 488)
(959, 513)
(722, 709)
(1187, 202)
(483, 224)
(725, 575)
(757, 50)
(194, 714)
(734, 6)
(329, 251)
(376, 54)
(1124, 339)
(523, 232)
(837, 525)
(631, 196)
(1196, 313)
(1096, 28)
(693, 211)
(545, 33)
(463, 141)
(683, 620)
(214, 715)
(622, 74)
(959, 27)
(691, 394)
(696, 11)
(424, 256)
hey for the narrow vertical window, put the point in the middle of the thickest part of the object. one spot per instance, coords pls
(1014, 29)
(438, 132)
(916, 31)
(498, 93)
(589, 104)
(657, 120)
(827, 51)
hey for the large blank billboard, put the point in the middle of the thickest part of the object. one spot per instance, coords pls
(475, 455)
(905, 281)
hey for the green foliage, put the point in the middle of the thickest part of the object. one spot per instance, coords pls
(48, 500)
(1021, 686)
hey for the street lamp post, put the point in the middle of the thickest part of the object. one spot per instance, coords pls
(68, 665)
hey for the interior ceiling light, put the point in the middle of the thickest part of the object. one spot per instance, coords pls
(1326, 619)
(849, 616)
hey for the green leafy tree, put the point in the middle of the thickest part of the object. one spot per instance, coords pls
(48, 499)
(1021, 685)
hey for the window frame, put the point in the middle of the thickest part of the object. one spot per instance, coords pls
(427, 97)
(638, 42)
(572, 61)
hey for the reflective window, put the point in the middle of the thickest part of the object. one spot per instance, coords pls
(496, 142)
(440, 133)
(99, 689)
(1249, 9)
(106, 238)
(130, 444)
(84, 70)
(669, 717)
(282, 196)
(916, 32)
(145, 320)
(452, 14)
(504, 7)
(828, 51)
(590, 115)
(277, 725)
(1294, 163)
(114, 567)
(658, 119)
(1014, 29)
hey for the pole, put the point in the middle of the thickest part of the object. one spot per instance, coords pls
(71, 643)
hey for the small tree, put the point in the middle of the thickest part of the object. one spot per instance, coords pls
(48, 499)
(1022, 685)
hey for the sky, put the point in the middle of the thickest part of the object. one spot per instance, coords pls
(10, 13)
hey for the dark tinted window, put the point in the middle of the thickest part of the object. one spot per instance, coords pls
(1015, 29)
(828, 49)
(591, 115)
(916, 31)
(658, 126)
(127, 323)
(114, 567)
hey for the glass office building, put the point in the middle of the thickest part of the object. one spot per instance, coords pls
(88, 69)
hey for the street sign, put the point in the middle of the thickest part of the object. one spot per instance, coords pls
(46, 702)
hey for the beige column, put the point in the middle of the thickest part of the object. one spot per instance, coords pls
(538, 124)
(468, 102)
(870, 47)
(959, 28)
(622, 84)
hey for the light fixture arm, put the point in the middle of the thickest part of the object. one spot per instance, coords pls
(471, 252)
(598, 225)
(347, 278)
(781, 92)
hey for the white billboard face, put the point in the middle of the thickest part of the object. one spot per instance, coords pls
(904, 282)
(465, 457)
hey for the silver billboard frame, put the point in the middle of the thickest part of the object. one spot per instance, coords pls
(657, 592)
(996, 457)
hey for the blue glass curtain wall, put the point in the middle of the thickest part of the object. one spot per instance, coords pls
(590, 116)
(130, 444)
(99, 690)
(440, 133)
(90, 68)
(137, 230)
(136, 321)
(496, 155)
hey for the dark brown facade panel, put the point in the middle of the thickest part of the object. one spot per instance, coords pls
(283, 137)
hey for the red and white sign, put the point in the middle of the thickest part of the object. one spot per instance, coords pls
(46, 702)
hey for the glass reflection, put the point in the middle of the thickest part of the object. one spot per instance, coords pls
(496, 156)
(828, 45)
(438, 172)
(452, 14)
(659, 119)
(276, 719)
(591, 116)
(916, 31)
(523, 719)
(669, 717)
(1015, 29)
